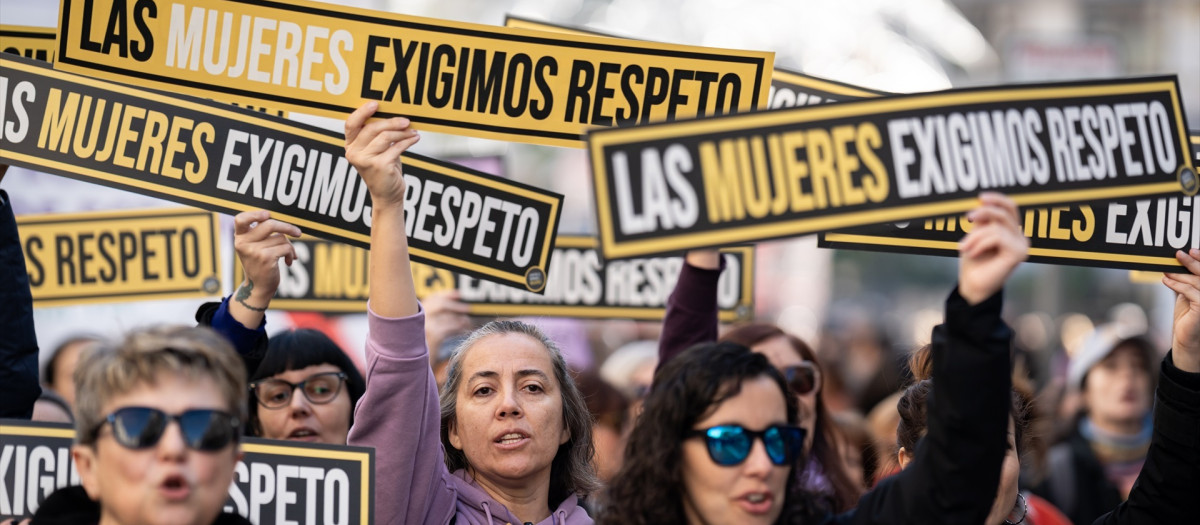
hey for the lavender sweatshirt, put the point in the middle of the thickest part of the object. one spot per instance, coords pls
(399, 416)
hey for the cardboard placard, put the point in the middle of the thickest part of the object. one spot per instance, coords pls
(1125, 233)
(129, 255)
(276, 482)
(35, 43)
(332, 277)
(452, 77)
(789, 89)
(223, 159)
(725, 180)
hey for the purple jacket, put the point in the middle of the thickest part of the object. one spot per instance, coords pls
(399, 416)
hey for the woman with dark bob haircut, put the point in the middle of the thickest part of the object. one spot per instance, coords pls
(305, 389)
(954, 473)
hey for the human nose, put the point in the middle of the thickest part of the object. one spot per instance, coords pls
(758, 463)
(170, 445)
(509, 406)
(299, 404)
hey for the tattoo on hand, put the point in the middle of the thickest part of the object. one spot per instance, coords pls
(243, 293)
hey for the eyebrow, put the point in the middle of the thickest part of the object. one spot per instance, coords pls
(521, 374)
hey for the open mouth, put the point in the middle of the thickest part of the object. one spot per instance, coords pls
(757, 502)
(174, 488)
(303, 434)
(511, 438)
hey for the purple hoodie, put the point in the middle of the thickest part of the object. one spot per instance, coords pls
(399, 416)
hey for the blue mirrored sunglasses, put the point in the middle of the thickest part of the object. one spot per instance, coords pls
(730, 445)
(142, 427)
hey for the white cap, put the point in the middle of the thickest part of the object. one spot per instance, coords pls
(1100, 343)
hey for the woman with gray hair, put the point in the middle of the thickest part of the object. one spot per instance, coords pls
(512, 441)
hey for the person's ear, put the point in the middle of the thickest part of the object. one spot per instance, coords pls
(452, 434)
(903, 457)
(566, 435)
(85, 464)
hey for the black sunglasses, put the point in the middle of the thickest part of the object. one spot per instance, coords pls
(142, 427)
(730, 445)
(802, 378)
(318, 389)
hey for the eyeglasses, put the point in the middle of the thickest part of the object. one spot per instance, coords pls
(318, 389)
(801, 378)
(730, 445)
(142, 427)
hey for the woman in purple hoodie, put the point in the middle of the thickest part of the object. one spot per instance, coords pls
(512, 442)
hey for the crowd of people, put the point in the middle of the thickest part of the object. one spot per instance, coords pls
(491, 425)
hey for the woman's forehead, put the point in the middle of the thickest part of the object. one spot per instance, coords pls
(507, 353)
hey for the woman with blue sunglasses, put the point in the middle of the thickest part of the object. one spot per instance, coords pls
(715, 443)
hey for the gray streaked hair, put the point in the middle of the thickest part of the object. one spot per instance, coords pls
(572, 471)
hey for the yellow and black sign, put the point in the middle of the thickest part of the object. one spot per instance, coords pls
(1127, 233)
(789, 89)
(221, 158)
(333, 277)
(36, 43)
(668, 187)
(132, 255)
(452, 77)
(276, 481)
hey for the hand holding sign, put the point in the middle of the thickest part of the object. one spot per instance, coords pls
(1185, 334)
(374, 149)
(995, 246)
(260, 242)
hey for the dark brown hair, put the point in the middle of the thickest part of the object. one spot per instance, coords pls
(912, 406)
(824, 448)
(649, 487)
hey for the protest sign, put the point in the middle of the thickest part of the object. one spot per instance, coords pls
(38, 43)
(224, 159)
(332, 277)
(788, 88)
(35, 43)
(130, 255)
(724, 180)
(1125, 233)
(276, 481)
(452, 77)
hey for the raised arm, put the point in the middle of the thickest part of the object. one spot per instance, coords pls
(1165, 490)
(18, 345)
(260, 243)
(691, 316)
(398, 415)
(955, 471)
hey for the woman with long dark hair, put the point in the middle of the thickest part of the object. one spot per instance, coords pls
(954, 472)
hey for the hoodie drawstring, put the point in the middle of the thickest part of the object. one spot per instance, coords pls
(487, 509)
(561, 517)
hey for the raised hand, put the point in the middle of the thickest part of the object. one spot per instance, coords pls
(374, 149)
(993, 249)
(260, 243)
(1185, 332)
(445, 315)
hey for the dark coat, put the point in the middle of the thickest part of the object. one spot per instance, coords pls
(19, 387)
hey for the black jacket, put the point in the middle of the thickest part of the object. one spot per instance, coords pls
(72, 506)
(1075, 481)
(19, 387)
(1166, 490)
(955, 471)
